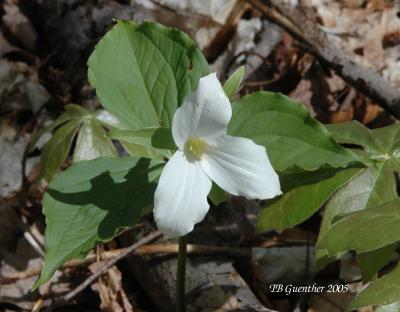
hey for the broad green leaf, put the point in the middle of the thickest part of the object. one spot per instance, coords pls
(232, 85)
(372, 261)
(92, 201)
(188, 66)
(353, 132)
(292, 180)
(56, 149)
(299, 203)
(372, 187)
(382, 291)
(92, 142)
(364, 230)
(291, 136)
(148, 142)
(142, 72)
(382, 143)
(388, 139)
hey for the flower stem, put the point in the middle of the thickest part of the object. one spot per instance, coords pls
(180, 276)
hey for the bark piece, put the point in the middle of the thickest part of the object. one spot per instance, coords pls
(368, 82)
(212, 284)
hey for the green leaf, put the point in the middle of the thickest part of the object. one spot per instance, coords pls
(189, 64)
(148, 142)
(372, 187)
(364, 230)
(72, 112)
(381, 144)
(92, 201)
(138, 150)
(92, 142)
(299, 203)
(233, 83)
(217, 195)
(142, 72)
(353, 132)
(372, 261)
(162, 138)
(292, 137)
(156, 137)
(56, 149)
(388, 138)
(383, 291)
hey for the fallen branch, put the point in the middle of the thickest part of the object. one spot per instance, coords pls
(110, 263)
(314, 41)
(104, 269)
(192, 249)
(140, 251)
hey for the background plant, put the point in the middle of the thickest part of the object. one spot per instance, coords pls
(356, 184)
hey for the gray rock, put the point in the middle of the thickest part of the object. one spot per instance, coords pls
(11, 165)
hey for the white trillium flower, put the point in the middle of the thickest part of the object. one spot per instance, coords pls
(206, 153)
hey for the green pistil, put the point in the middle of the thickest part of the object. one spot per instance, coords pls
(195, 147)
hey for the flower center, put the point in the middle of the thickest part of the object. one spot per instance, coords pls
(194, 148)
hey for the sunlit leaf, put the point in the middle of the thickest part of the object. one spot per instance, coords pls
(232, 85)
(142, 72)
(293, 139)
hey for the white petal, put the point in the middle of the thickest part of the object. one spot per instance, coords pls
(205, 112)
(241, 167)
(180, 200)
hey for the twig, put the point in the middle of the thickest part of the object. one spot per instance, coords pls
(109, 264)
(314, 41)
(260, 83)
(192, 249)
(30, 237)
(33, 242)
(38, 305)
(140, 251)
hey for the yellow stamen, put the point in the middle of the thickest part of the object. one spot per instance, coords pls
(194, 148)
